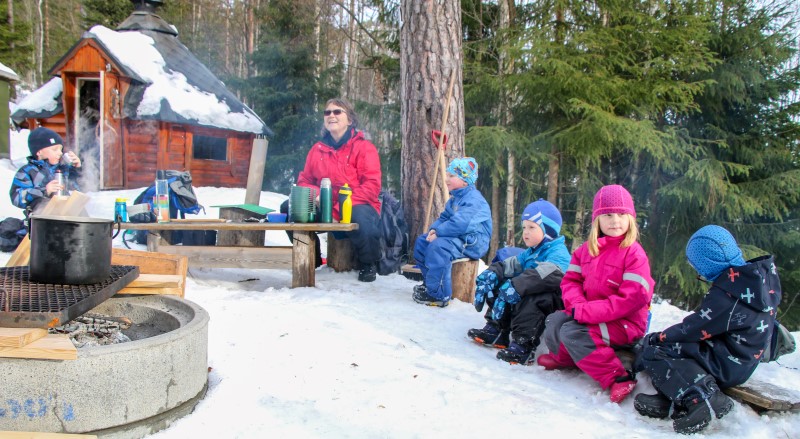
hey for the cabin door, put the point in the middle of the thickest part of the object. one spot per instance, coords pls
(87, 132)
(111, 157)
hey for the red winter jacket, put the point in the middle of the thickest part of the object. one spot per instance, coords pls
(355, 163)
(613, 286)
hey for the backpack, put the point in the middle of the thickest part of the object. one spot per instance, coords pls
(394, 231)
(182, 201)
(12, 231)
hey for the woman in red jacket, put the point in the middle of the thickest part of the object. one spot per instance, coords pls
(345, 156)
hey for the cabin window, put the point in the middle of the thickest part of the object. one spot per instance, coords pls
(209, 148)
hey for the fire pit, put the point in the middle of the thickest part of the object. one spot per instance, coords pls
(125, 390)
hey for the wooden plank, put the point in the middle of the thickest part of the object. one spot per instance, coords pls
(49, 347)
(212, 225)
(19, 337)
(153, 291)
(232, 257)
(251, 238)
(153, 263)
(303, 266)
(766, 396)
(42, 435)
(146, 280)
(255, 175)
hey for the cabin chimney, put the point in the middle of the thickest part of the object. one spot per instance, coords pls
(144, 18)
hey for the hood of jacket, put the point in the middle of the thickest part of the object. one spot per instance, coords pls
(751, 284)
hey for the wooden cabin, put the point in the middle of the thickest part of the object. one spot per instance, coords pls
(133, 100)
(7, 79)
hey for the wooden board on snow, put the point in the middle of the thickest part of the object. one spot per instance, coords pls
(766, 396)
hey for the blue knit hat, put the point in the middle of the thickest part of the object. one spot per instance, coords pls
(464, 168)
(546, 215)
(712, 250)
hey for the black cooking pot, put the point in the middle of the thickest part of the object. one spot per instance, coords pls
(70, 250)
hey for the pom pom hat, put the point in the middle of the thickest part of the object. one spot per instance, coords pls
(41, 138)
(546, 216)
(612, 199)
(464, 168)
(712, 250)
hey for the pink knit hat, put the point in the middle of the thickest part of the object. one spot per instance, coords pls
(612, 199)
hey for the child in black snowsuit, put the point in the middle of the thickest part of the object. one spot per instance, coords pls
(717, 346)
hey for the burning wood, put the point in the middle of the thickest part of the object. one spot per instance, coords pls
(95, 330)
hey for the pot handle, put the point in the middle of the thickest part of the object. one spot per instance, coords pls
(119, 227)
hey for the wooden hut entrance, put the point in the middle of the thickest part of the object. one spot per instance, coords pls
(88, 136)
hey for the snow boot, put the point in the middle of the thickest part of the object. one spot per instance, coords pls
(622, 387)
(516, 354)
(490, 335)
(654, 406)
(421, 296)
(367, 273)
(549, 362)
(698, 411)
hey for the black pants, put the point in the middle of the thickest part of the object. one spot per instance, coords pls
(366, 240)
(525, 319)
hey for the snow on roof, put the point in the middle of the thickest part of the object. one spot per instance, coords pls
(7, 73)
(44, 101)
(138, 52)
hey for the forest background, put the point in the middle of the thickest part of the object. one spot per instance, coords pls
(691, 105)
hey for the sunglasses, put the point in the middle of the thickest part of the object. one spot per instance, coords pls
(335, 112)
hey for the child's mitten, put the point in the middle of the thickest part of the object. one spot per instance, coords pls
(506, 295)
(484, 284)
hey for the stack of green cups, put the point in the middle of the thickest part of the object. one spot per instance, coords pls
(301, 205)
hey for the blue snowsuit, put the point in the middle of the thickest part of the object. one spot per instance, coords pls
(28, 186)
(462, 230)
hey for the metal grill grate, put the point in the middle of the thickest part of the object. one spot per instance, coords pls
(26, 304)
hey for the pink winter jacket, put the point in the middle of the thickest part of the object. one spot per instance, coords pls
(614, 286)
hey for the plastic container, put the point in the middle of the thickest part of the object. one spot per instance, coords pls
(325, 201)
(121, 210)
(62, 180)
(276, 217)
(345, 203)
(161, 201)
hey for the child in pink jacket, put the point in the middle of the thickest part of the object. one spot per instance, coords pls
(606, 291)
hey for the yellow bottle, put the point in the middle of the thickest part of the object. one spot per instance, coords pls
(345, 203)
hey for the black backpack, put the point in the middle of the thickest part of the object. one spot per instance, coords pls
(12, 231)
(394, 231)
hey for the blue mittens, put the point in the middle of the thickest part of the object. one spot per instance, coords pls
(484, 286)
(506, 295)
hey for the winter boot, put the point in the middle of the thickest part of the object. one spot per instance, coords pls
(622, 387)
(367, 273)
(490, 335)
(698, 410)
(421, 296)
(654, 406)
(549, 362)
(516, 354)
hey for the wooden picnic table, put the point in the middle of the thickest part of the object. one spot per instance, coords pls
(299, 258)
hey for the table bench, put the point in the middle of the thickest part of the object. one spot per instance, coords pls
(299, 257)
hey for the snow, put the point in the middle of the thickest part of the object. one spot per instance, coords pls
(6, 72)
(137, 51)
(45, 98)
(347, 359)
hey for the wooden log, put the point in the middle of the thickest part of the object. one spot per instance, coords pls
(303, 264)
(766, 396)
(19, 337)
(49, 347)
(463, 274)
(340, 254)
(243, 238)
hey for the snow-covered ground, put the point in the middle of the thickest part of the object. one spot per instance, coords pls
(349, 359)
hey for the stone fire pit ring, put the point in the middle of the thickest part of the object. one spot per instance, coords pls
(125, 390)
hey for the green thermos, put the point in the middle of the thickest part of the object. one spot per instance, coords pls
(325, 200)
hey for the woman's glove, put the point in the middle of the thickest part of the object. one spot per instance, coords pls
(484, 286)
(506, 295)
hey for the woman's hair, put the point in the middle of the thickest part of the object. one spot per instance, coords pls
(348, 108)
(630, 236)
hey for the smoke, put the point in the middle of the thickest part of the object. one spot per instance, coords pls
(88, 149)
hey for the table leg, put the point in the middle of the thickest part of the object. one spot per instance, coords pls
(303, 266)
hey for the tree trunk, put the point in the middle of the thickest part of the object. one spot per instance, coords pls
(40, 48)
(511, 187)
(430, 49)
(494, 242)
(552, 175)
(505, 67)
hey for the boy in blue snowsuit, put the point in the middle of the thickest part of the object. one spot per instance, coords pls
(522, 290)
(462, 230)
(34, 182)
(717, 346)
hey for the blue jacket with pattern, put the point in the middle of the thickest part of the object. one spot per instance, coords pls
(28, 187)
